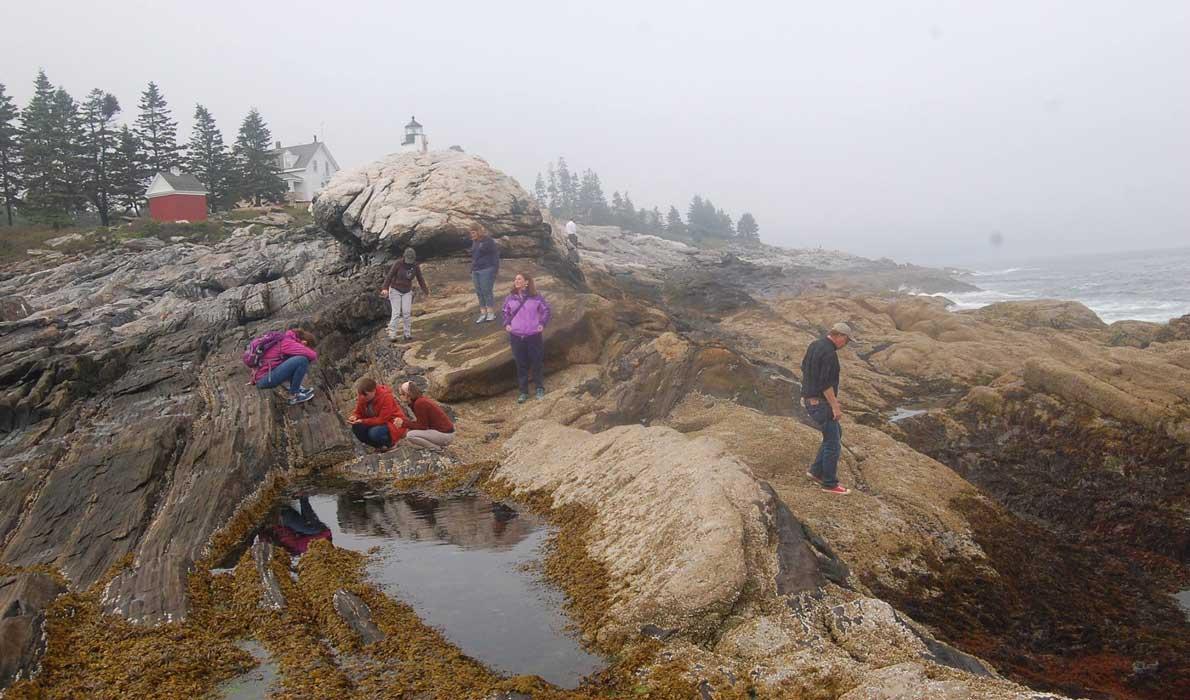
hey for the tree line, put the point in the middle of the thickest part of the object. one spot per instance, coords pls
(571, 195)
(61, 158)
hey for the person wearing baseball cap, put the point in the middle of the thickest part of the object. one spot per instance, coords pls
(820, 397)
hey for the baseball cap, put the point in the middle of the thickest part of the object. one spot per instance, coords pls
(843, 329)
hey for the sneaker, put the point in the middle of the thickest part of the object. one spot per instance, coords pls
(811, 475)
(482, 318)
(838, 489)
(301, 397)
(491, 316)
(522, 398)
(540, 393)
(408, 336)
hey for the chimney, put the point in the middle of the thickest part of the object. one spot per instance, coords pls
(278, 145)
(315, 138)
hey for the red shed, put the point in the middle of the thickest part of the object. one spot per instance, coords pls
(177, 196)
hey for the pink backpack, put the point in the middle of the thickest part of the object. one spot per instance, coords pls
(260, 345)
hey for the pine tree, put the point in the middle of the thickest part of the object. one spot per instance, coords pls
(626, 214)
(157, 131)
(698, 225)
(51, 155)
(539, 192)
(656, 222)
(207, 158)
(592, 205)
(555, 201)
(70, 143)
(724, 228)
(257, 174)
(99, 146)
(747, 229)
(674, 226)
(567, 190)
(129, 171)
(10, 154)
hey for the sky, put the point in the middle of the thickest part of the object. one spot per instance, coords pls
(921, 131)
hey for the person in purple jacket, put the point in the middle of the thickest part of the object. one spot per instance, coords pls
(287, 361)
(526, 314)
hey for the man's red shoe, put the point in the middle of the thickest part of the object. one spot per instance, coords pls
(839, 490)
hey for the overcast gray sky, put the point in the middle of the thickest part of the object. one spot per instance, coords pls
(908, 129)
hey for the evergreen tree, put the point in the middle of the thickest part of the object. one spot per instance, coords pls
(99, 146)
(674, 226)
(567, 190)
(555, 201)
(698, 225)
(129, 171)
(656, 222)
(724, 228)
(626, 215)
(257, 174)
(617, 209)
(70, 138)
(539, 191)
(747, 229)
(207, 158)
(51, 155)
(157, 130)
(10, 154)
(592, 205)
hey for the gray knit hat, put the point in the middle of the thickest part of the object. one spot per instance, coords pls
(410, 255)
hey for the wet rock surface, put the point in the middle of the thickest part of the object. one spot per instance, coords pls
(23, 600)
(1030, 524)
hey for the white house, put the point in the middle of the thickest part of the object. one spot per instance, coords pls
(305, 168)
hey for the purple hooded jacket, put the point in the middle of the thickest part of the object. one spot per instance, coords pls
(288, 347)
(536, 312)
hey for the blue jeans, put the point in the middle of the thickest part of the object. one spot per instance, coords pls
(292, 369)
(529, 354)
(484, 281)
(372, 435)
(826, 465)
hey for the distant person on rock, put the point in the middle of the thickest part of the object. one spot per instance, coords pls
(571, 229)
(485, 265)
(283, 357)
(820, 396)
(430, 428)
(398, 289)
(377, 420)
(526, 314)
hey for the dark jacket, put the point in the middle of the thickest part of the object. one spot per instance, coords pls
(820, 369)
(485, 254)
(400, 277)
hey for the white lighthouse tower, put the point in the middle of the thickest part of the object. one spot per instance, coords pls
(415, 137)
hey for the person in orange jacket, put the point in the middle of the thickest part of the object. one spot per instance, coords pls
(378, 420)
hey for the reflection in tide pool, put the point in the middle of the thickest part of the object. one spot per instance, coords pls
(466, 565)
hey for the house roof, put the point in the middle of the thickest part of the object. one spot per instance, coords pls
(181, 182)
(304, 153)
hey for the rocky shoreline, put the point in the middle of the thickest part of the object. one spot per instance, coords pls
(1017, 539)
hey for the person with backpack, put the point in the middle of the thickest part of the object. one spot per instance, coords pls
(282, 356)
(485, 265)
(526, 314)
(398, 289)
(377, 420)
(430, 428)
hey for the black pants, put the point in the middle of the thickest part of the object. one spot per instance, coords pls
(529, 352)
(372, 435)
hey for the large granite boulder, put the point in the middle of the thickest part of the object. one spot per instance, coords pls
(429, 200)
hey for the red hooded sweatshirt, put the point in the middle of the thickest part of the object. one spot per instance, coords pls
(384, 410)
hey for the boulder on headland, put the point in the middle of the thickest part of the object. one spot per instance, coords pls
(429, 201)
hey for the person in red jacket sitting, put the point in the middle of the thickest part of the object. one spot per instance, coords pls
(430, 428)
(378, 420)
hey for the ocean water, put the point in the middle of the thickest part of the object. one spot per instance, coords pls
(1142, 286)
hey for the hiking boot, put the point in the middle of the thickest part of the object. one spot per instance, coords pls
(811, 475)
(837, 489)
(522, 398)
(301, 397)
(540, 393)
